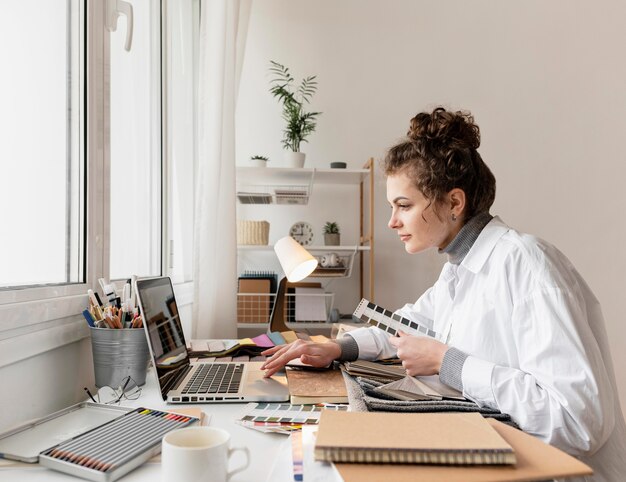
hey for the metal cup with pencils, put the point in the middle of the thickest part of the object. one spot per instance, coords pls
(118, 341)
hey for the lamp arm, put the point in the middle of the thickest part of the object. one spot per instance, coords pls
(277, 319)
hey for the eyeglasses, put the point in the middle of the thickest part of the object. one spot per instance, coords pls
(128, 390)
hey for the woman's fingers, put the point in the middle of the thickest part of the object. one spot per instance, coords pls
(271, 351)
(311, 353)
(282, 357)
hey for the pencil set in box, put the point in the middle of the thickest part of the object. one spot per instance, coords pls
(109, 441)
(115, 448)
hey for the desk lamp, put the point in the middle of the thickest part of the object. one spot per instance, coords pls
(297, 263)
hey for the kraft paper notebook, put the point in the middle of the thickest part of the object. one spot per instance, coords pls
(535, 461)
(409, 438)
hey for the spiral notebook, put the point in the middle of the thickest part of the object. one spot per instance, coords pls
(409, 438)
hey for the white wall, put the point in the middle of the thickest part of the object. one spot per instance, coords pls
(545, 81)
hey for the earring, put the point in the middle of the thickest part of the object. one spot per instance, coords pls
(453, 217)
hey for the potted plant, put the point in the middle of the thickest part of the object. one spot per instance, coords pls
(332, 236)
(300, 124)
(259, 161)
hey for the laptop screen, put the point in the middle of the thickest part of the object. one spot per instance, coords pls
(163, 328)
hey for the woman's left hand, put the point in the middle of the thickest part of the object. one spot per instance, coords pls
(420, 355)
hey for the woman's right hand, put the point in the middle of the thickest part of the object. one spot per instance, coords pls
(312, 353)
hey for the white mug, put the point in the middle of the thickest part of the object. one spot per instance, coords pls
(329, 260)
(195, 454)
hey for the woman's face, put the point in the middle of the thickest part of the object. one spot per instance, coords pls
(414, 218)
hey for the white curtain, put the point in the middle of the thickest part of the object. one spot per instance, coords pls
(223, 27)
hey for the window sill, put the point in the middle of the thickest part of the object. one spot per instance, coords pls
(33, 327)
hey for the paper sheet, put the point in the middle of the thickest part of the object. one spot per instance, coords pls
(310, 304)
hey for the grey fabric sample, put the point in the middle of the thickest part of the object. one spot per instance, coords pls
(375, 402)
(355, 394)
(349, 348)
(452, 368)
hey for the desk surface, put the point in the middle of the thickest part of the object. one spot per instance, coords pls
(270, 454)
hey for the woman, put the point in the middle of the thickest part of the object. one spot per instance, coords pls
(517, 328)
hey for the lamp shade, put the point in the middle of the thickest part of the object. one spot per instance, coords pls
(297, 262)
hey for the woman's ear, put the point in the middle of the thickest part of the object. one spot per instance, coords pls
(456, 200)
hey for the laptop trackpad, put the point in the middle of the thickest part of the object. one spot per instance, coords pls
(256, 383)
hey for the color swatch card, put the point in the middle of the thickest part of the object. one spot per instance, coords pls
(388, 321)
(283, 417)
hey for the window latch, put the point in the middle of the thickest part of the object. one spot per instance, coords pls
(115, 8)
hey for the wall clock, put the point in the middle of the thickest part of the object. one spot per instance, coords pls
(302, 232)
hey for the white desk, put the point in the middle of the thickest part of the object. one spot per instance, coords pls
(270, 454)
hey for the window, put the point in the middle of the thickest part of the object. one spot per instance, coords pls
(41, 147)
(182, 40)
(135, 152)
(82, 191)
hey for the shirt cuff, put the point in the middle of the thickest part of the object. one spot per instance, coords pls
(349, 348)
(373, 343)
(452, 368)
(476, 378)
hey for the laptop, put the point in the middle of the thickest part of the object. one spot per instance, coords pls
(183, 381)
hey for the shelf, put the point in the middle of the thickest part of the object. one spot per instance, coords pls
(345, 255)
(294, 186)
(269, 247)
(289, 186)
(282, 176)
(256, 308)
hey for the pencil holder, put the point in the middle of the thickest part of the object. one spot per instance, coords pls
(118, 353)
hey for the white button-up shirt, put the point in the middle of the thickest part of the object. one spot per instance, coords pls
(536, 342)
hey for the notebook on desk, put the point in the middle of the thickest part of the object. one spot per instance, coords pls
(183, 381)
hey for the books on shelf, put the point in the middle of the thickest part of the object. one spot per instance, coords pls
(313, 386)
(410, 438)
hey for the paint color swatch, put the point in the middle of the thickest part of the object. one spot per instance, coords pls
(388, 321)
(283, 417)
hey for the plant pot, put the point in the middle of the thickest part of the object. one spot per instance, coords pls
(294, 159)
(258, 163)
(332, 239)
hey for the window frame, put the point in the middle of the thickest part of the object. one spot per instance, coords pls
(37, 318)
(27, 309)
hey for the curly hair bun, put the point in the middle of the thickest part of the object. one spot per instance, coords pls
(455, 130)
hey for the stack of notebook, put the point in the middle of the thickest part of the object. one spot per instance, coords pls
(402, 438)
(438, 447)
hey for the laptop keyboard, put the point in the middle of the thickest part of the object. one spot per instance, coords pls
(215, 378)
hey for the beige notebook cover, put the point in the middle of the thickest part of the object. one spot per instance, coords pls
(535, 461)
(316, 386)
(431, 438)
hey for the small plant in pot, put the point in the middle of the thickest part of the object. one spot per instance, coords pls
(300, 124)
(332, 236)
(259, 161)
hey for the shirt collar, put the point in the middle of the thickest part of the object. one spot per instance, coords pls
(458, 248)
(484, 244)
